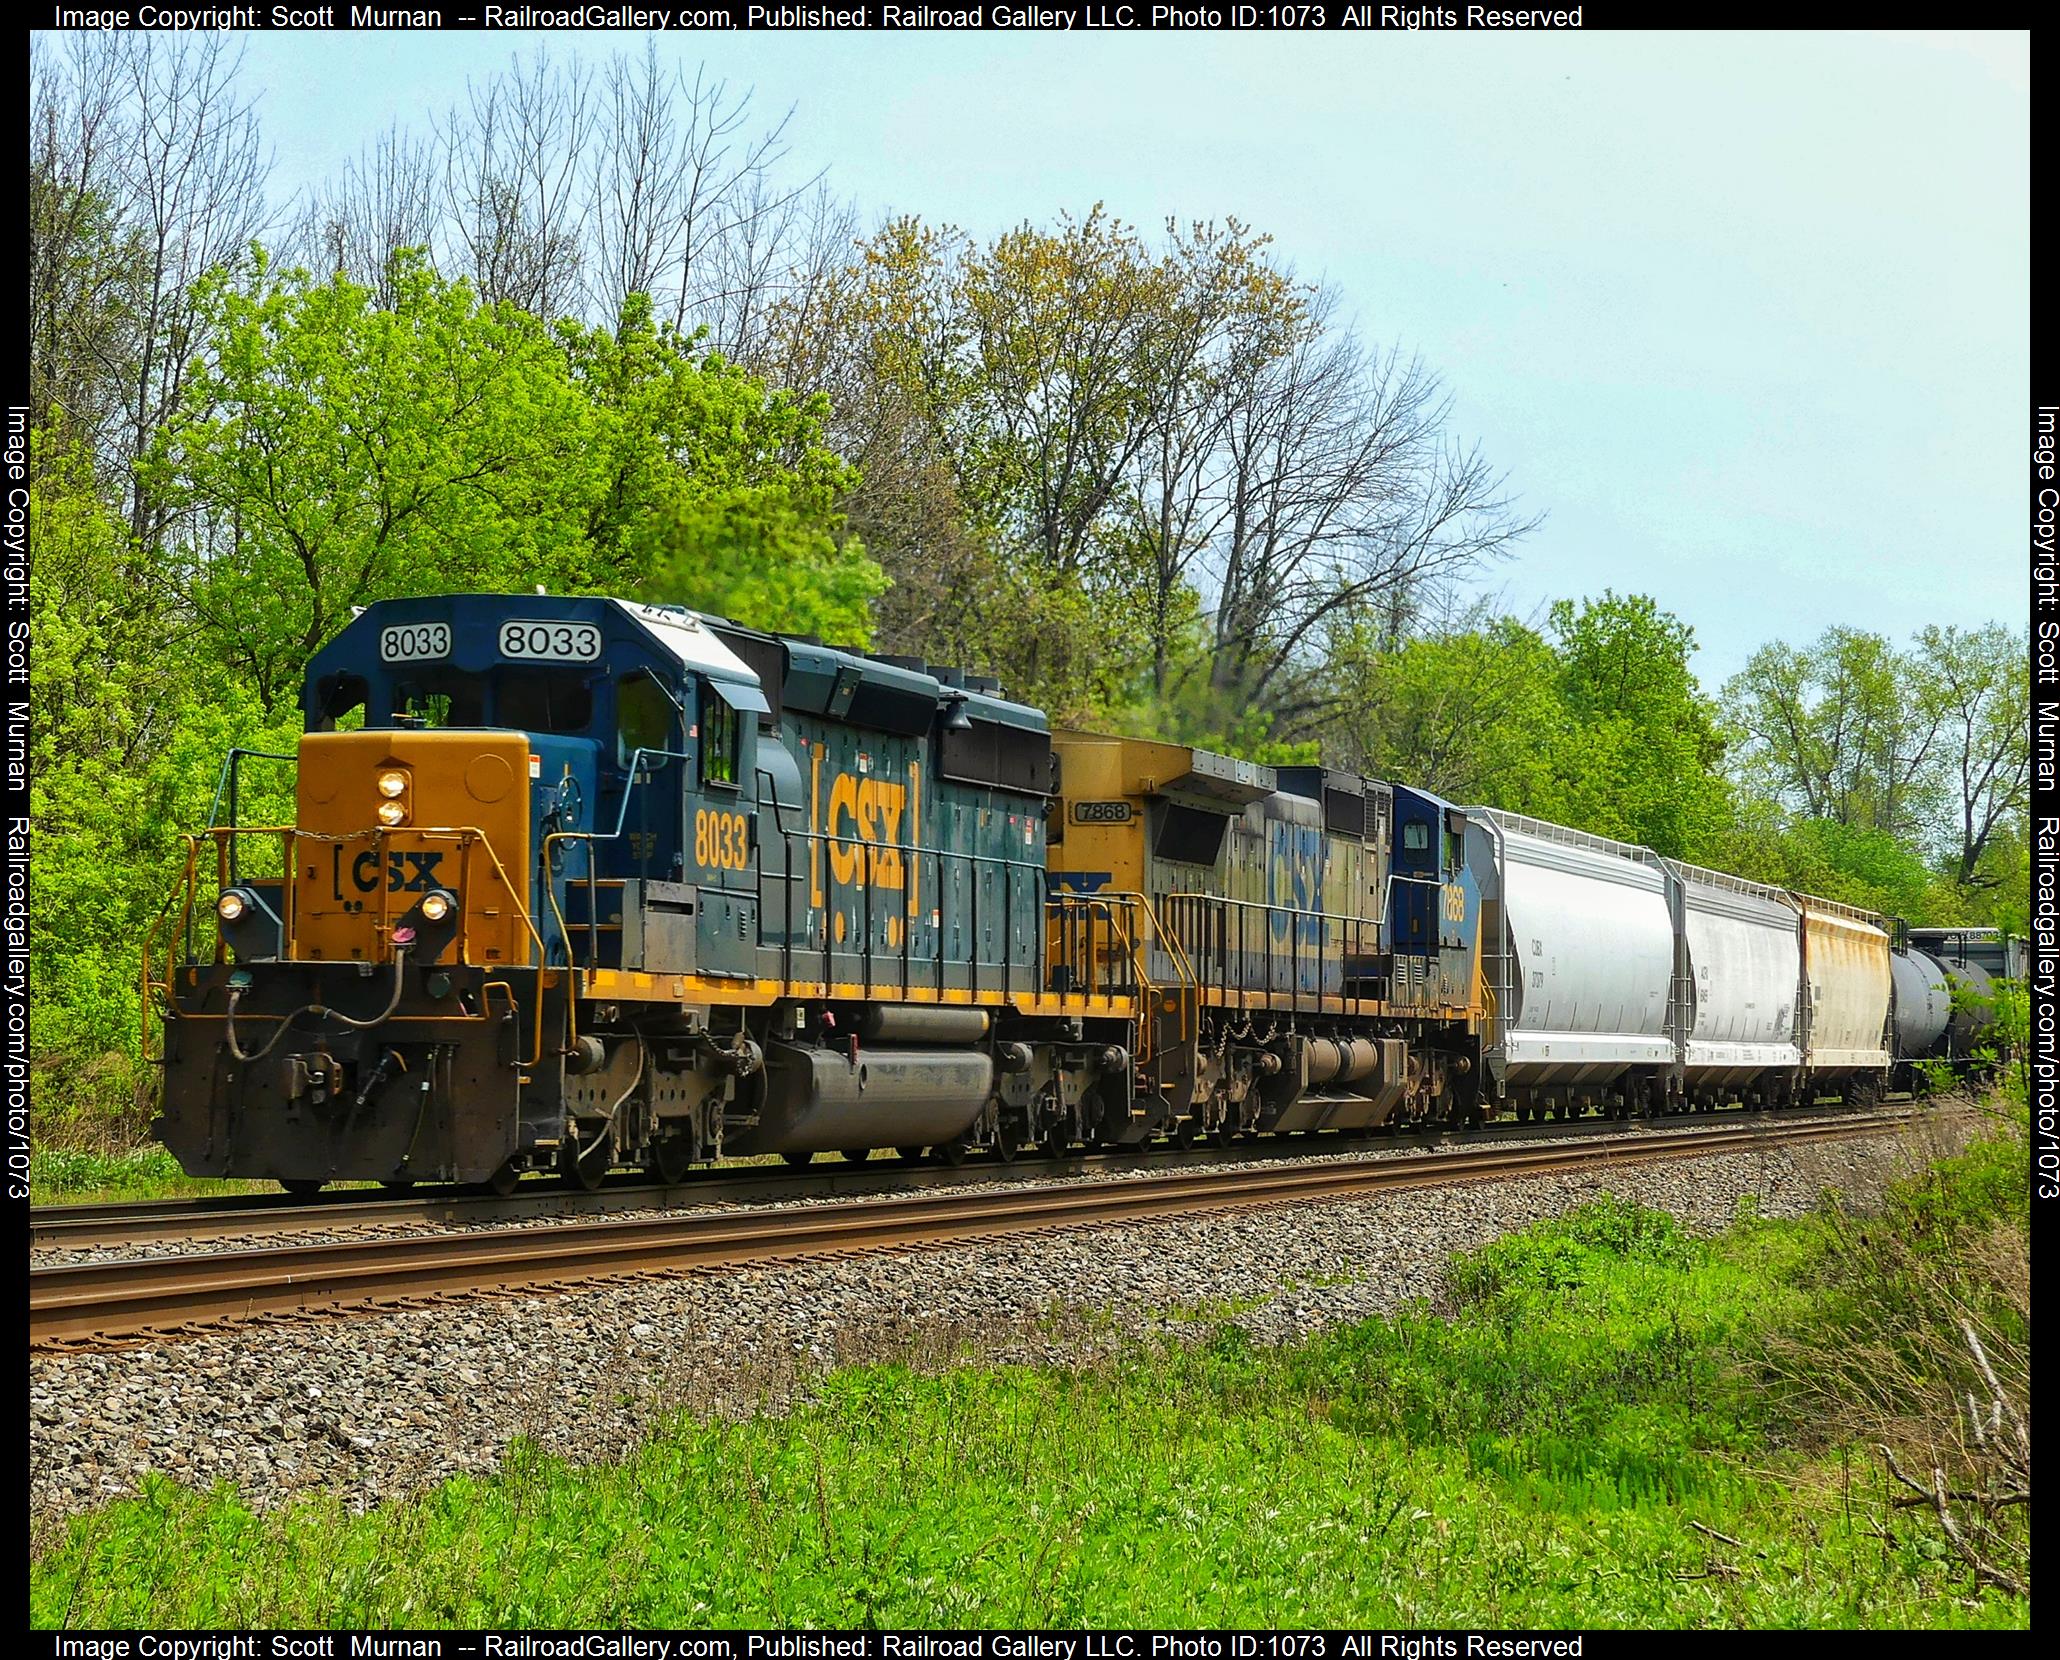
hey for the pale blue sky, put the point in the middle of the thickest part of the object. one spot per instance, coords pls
(1745, 314)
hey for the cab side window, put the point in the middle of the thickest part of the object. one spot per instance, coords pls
(719, 728)
(643, 720)
(1416, 837)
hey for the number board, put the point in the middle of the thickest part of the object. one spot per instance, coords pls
(1101, 812)
(551, 642)
(414, 642)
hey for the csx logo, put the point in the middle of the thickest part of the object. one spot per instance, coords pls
(405, 872)
(869, 810)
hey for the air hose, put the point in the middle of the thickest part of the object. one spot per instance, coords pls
(400, 963)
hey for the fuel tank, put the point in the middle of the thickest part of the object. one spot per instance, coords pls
(824, 1100)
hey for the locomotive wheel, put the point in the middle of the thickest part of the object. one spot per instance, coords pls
(300, 1187)
(1224, 1134)
(857, 1155)
(1007, 1144)
(583, 1172)
(670, 1158)
(502, 1181)
(1184, 1131)
(1057, 1142)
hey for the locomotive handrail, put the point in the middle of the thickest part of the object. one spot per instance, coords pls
(1352, 934)
(183, 884)
(871, 855)
(634, 775)
(226, 780)
(225, 836)
(1105, 903)
(869, 852)
(1140, 959)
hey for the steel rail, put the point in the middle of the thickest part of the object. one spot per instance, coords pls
(227, 1216)
(171, 1295)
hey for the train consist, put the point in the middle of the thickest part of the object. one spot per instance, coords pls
(575, 883)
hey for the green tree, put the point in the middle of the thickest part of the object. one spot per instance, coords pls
(1979, 681)
(86, 276)
(331, 453)
(334, 452)
(1843, 730)
(128, 725)
(1138, 437)
(714, 492)
(1643, 748)
(1473, 712)
(1600, 725)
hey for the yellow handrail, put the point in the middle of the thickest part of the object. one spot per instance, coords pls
(186, 889)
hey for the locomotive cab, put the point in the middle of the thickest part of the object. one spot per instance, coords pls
(603, 771)
(1433, 903)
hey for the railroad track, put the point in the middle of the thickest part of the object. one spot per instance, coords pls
(95, 1303)
(140, 1222)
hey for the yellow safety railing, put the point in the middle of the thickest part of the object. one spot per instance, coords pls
(1131, 927)
(158, 994)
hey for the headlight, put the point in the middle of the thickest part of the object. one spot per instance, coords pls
(392, 813)
(392, 784)
(230, 906)
(436, 906)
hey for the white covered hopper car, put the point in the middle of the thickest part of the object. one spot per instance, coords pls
(1619, 980)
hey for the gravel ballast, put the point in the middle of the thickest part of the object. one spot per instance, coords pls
(378, 1406)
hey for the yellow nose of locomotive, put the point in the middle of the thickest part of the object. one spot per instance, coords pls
(411, 829)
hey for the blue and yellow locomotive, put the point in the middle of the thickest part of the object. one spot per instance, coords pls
(1322, 928)
(579, 883)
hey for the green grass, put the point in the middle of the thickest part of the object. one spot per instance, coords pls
(77, 1176)
(1540, 1454)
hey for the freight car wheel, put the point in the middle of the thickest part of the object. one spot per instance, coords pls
(952, 1152)
(800, 1161)
(300, 1187)
(502, 1181)
(857, 1155)
(401, 1184)
(910, 1155)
